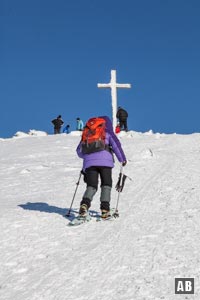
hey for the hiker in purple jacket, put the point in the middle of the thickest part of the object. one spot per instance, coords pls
(100, 163)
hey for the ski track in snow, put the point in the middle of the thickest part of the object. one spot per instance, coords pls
(135, 257)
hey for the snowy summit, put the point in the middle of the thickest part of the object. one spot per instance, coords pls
(134, 257)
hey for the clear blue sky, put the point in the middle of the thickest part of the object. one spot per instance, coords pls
(54, 52)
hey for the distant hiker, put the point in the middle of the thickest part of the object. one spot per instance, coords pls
(122, 116)
(79, 124)
(66, 129)
(96, 148)
(58, 122)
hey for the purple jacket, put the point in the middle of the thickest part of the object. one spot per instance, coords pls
(103, 158)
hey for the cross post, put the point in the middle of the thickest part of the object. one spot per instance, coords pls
(113, 85)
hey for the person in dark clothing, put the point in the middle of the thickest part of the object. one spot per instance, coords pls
(122, 116)
(58, 122)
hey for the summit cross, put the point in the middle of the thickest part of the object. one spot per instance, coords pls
(113, 85)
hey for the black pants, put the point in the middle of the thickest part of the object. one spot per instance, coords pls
(123, 124)
(92, 177)
(57, 130)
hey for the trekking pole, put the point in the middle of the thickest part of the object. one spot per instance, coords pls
(116, 213)
(119, 189)
(77, 184)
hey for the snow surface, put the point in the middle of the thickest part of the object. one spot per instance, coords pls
(135, 257)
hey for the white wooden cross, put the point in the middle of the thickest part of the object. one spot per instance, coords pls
(113, 85)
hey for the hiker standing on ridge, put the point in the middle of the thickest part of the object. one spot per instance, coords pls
(97, 150)
(58, 122)
(122, 116)
(79, 125)
(66, 129)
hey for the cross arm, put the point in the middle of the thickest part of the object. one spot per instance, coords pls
(124, 85)
(104, 85)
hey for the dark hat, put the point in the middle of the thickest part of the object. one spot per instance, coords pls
(59, 116)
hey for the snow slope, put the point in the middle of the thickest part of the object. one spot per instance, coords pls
(135, 257)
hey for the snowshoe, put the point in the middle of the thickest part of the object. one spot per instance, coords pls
(80, 220)
(107, 215)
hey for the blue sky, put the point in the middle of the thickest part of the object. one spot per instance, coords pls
(54, 52)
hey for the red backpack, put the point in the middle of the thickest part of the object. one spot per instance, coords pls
(93, 136)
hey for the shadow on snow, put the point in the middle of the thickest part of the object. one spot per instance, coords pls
(51, 209)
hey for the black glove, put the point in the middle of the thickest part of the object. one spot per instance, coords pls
(121, 181)
(124, 163)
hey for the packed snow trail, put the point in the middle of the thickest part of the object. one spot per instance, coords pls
(134, 257)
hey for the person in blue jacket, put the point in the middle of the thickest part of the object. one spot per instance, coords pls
(100, 164)
(79, 124)
(66, 129)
